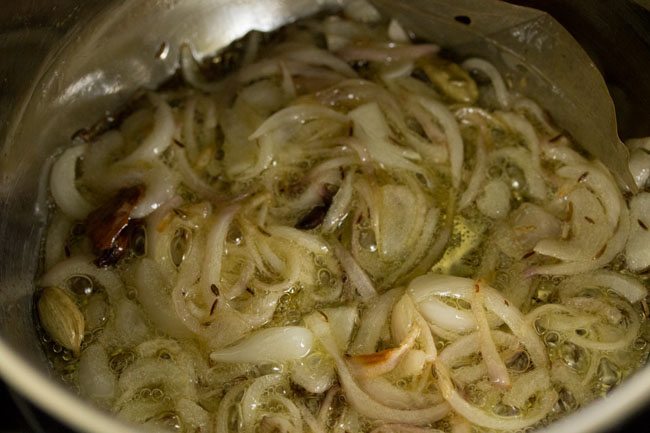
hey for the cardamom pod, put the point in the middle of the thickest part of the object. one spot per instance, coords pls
(61, 318)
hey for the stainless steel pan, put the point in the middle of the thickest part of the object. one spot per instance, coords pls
(66, 62)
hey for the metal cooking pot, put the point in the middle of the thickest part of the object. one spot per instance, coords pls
(66, 62)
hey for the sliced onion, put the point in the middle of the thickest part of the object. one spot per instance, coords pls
(463, 288)
(96, 379)
(412, 364)
(129, 327)
(447, 317)
(528, 105)
(480, 417)
(460, 425)
(589, 230)
(160, 137)
(192, 179)
(404, 428)
(223, 417)
(396, 70)
(614, 246)
(398, 203)
(372, 130)
(83, 265)
(421, 253)
(304, 239)
(394, 396)
(454, 140)
(268, 345)
(397, 33)
(637, 253)
(563, 154)
(316, 57)
(361, 11)
(620, 343)
(640, 167)
(187, 128)
(522, 126)
(339, 209)
(525, 227)
(151, 372)
(215, 248)
(315, 373)
(264, 97)
(567, 320)
(342, 320)
(627, 287)
(522, 158)
(356, 275)
(193, 415)
(326, 405)
(296, 113)
(477, 177)
(378, 363)
(239, 153)
(160, 184)
(512, 317)
(495, 201)
(57, 238)
(391, 52)
(63, 187)
(269, 67)
(310, 420)
(596, 178)
(253, 398)
(496, 368)
(288, 86)
(357, 398)
(403, 319)
(428, 285)
(151, 289)
(525, 386)
(501, 92)
(372, 321)
(193, 75)
(467, 345)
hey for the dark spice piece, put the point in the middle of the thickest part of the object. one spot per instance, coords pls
(528, 254)
(601, 251)
(316, 215)
(214, 306)
(108, 227)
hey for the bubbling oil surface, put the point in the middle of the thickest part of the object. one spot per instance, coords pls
(125, 331)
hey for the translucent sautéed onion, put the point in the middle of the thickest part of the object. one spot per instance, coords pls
(345, 232)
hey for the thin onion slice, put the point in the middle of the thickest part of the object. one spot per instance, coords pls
(454, 140)
(63, 187)
(268, 345)
(500, 90)
(484, 419)
(495, 366)
(360, 400)
(378, 363)
(296, 113)
(160, 137)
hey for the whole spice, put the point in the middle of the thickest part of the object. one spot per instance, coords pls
(61, 318)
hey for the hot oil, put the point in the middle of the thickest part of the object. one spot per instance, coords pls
(469, 253)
